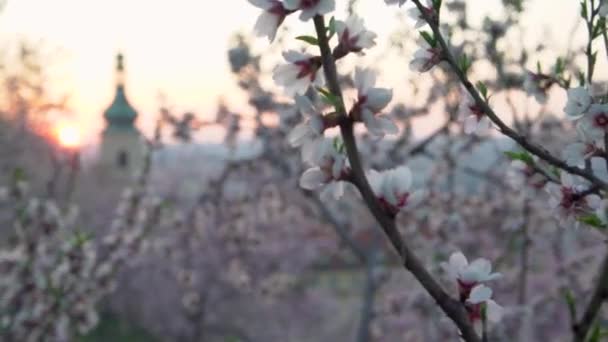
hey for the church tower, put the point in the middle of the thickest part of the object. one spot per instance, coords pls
(122, 147)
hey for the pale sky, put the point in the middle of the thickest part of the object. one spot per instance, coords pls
(179, 46)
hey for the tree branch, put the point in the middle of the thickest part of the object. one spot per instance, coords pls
(533, 148)
(450, 306)
(600, 294)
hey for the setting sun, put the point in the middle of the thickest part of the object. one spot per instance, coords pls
(68, 135)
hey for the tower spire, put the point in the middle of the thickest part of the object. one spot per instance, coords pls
(120, 115)
(120, 70)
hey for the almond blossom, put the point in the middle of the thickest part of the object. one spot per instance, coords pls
(272, 17)
(521, 173)
(392, 188)
(330, 171)
(353, 36)
(568, 200)
(310, 8)
(482, 295)
(578, 153)
(415, 14)
(537, 85)
(579, 101)
(594, 125)
(601, 210)
(468, 275)
(309, 133)
(472, 116)
(301, 71)
(425, 58)
(394, 2)
(370, 102)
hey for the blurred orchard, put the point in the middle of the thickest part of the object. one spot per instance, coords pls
(326, 215)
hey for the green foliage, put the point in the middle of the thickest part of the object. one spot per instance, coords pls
(429, 38)
(584, 13)
(483, 89)
(464, 63)
(592, 220)
(597, 334)
(331, 28)
(80, 238)
(437, 5)
(569, 297)
(339, 144)
(523, 156)
(517, 5)
(308, 39)
(19, 175)
(111, 328)
(330, 98)
(599, 27)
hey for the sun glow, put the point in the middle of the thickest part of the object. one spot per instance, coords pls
(68, 135)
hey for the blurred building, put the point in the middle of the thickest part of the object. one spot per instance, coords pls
(122, 147)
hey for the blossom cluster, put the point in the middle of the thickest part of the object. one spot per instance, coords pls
(54, 274)
(329, 167)
(471, 279)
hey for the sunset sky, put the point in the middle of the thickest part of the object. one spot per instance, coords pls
(179, 46)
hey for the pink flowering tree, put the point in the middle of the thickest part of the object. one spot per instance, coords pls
(335, 164)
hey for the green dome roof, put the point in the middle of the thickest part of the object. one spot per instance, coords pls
(120, 115)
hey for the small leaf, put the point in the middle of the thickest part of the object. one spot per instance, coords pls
(330, 98)
(483, 89)
(338, 144)
(465, 63)
(523, 156)
(437, 5)
(429, 38)
(559, 66)
(18, 174)
(331, 28)
(308, 39)
(596, 333)
(569, 297)
(584, 9)
(597, 29)
(592, 220)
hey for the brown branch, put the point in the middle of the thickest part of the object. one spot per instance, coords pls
(600, 294)
(533, 148)
(450, 306)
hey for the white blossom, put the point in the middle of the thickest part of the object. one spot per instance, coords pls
(468, 275)
(601, 210)
(594, 124)
(329, 170)
(472, 116)
(416, 15)
(301, 71)
(537, 85)
(392, 188)
(425, 58)
(272, 16)
(309, 133)
(579, 100)
(479, 295)
(353, 35)
(371, 101)
(394, 2)
(310, 8)
(576, 154)
(566, 199)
